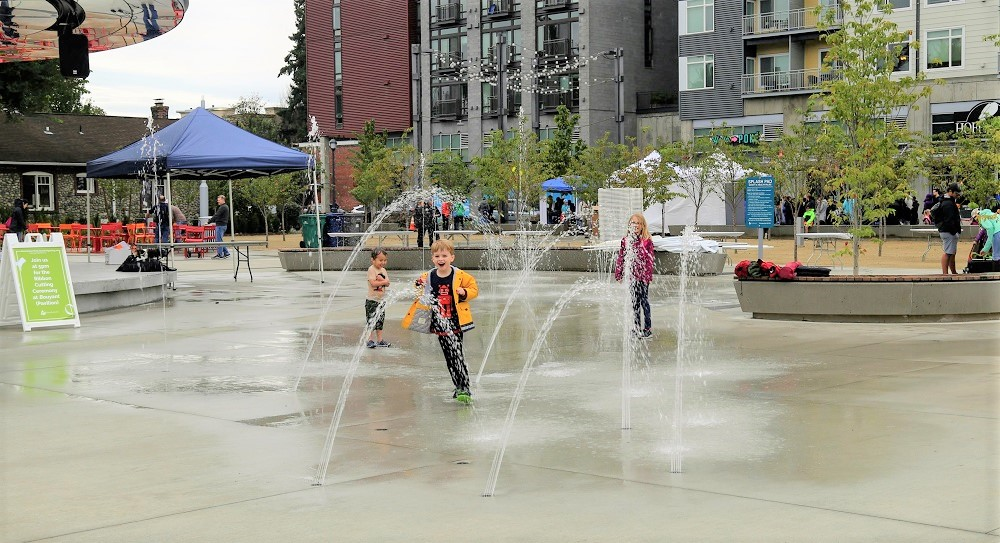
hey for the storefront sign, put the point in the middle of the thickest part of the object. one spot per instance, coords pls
(750, 138)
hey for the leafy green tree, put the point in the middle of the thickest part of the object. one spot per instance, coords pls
(857, 134)
(380, 173)
(511, 165)
(249, 114)
(268, 194)
(38, 87)
(449, 171)
(974, 161)
(594, 165)
(294, 125)
(559, 150)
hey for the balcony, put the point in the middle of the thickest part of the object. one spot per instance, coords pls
(555, 4)
(790, 82)
(448, 13)
(550, 102)
(512, 56)
(500, 9)
(789, 21)
(558, 48)
(448, 62)
(492, 107)
(448, 109)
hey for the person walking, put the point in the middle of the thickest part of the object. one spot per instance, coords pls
(378, 280)
(19, 219)
(946, 217)
(635, 265)
(221, 223)
(447, 291)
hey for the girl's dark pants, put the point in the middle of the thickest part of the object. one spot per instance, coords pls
(640, 300)
(451, 346)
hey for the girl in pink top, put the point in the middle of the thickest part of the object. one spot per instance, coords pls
(635, 263)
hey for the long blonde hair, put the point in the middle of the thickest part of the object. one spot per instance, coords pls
(643, 227)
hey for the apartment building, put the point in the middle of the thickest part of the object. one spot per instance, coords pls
(452, 72)
(751, 65)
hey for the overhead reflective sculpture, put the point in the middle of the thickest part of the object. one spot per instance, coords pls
(33, 29)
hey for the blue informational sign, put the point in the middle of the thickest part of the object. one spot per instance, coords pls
(760, 201)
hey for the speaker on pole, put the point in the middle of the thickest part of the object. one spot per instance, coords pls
(74, 60)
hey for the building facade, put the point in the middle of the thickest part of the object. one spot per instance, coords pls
(449, 73)
(752, 65)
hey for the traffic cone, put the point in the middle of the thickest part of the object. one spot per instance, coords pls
(413, 225)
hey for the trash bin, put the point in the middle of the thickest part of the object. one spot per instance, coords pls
(334, 224)
(353, 222)
(308, 224)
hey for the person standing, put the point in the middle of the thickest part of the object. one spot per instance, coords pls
(635, 264)
(459, 214)
(19, 219)
(946, 217)
(449, 291)
(446, 215)
(221, 223)
(423, 218)
(161, 217)
(378, 280)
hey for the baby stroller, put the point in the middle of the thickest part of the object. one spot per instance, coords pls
(979, 262)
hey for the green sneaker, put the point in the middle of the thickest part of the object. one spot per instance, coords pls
(464, 396)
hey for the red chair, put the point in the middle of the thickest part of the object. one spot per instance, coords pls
(195, 234)
(111, 234)
(71, 237)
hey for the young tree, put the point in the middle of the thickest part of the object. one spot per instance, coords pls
(378, 171)
(511, 166)
(974, 161)
(594, 165)
(294, 125)
(559, 151)
(267, 193)
(449, 171)
(858, 133)
(698, 175)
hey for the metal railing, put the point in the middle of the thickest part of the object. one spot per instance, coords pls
(557, 48)
(448, 108)
(551, 101)
(446, 62)
(785, 21)
(790, 81)
(448, 12)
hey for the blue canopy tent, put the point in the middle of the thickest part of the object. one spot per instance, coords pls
(555, 187)
(557, 184)
(199, 146)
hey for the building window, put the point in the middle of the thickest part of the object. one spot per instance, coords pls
(902, 52)
(84, 185)
(944, 48)
(897, 4)
(700, 16)
(647, 34)
(698, 72)
(558, 39)
(448, 45)
(38, 190)
(457, 143)
(449, 100)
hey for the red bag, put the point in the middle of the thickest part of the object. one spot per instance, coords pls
(742, 269)
(787, 272)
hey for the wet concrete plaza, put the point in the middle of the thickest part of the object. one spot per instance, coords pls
(180, 421)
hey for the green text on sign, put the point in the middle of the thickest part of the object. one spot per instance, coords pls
(44, 285)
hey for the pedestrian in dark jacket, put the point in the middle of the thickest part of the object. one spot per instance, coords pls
(424, 219)
(19, 219)
(949, 224)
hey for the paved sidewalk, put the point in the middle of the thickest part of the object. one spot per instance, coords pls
(179, 422)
